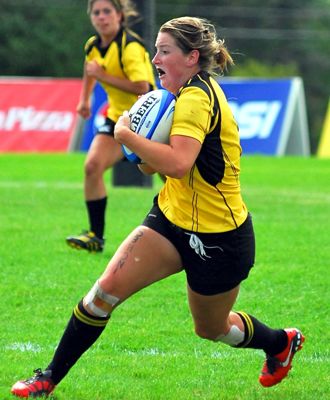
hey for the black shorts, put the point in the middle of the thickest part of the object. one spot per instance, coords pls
(107, 128)
(214, 262)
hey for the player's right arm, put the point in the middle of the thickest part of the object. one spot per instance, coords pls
(84, 105)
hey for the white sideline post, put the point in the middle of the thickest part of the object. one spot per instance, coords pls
(294, 137)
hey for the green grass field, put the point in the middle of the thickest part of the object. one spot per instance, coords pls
(149, 350)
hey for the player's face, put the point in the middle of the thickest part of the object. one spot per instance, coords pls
(105, 19)
(174, 67)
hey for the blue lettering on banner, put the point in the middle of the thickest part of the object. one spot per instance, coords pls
(259, 107)
(256, 118)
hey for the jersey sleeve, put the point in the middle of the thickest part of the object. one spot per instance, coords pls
(136, 64)
(89, 47)
(192, 114)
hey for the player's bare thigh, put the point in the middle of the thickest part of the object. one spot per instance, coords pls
(143, 258)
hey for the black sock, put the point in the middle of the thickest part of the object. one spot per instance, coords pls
(96, 214)
(81, 332)
(260, 336)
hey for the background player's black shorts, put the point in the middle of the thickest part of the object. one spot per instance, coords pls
(214, 262)
(107, 128)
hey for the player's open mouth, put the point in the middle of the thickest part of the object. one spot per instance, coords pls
(160, 72)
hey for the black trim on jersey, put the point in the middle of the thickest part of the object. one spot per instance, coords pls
(103, 50)
(119, 40)
(130, 37)
(227, 205)
(210, 161)
(194, 207)
(95, 43)
(191, 177)
(121, 43)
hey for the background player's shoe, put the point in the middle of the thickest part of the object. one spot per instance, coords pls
(277, 367)
(40, 385)
(86, 240)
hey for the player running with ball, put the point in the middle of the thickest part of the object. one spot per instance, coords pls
(198, 224)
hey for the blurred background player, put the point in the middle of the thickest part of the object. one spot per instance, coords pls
(118, 60)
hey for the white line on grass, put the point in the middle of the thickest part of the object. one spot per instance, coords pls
(41, 185)
(154, 352)
(287, 195)
(35, 348)
(24, 347)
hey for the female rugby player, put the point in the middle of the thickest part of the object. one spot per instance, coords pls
(118, 60)
(199, 223)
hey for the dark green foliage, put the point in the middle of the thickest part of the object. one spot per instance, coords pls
(46, 38)
(43, 38)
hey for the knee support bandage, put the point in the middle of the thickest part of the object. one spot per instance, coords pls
(100, 302)
(234, 337)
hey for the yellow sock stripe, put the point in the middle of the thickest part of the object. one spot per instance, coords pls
(249, 325)
(89, 321)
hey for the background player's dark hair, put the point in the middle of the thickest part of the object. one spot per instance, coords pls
(127, 8)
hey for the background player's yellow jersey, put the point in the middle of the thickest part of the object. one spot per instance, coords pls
(126, 57)
(208, 198)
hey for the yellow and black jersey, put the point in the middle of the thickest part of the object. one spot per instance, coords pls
(208, 198)
(125, 57)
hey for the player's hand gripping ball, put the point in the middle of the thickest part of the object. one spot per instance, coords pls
(151, 116)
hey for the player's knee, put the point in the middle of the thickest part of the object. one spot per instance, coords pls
(92, 167)
(206, 333)
(234, 337)
(99, 302)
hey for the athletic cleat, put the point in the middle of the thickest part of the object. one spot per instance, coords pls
(86, 240)
(40, 385)
(277, 367)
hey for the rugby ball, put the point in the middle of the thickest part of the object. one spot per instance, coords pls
(151, 116)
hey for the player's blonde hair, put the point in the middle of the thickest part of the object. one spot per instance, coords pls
(126, 7)
(192, 33)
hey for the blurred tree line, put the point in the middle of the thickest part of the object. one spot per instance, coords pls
(277, 39)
